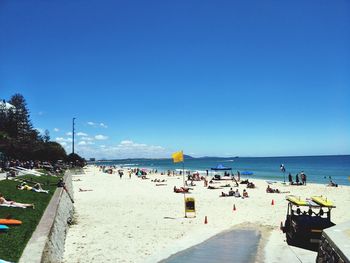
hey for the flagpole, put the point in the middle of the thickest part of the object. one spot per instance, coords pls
(183, 178)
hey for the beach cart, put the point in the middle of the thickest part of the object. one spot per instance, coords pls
(305, 221)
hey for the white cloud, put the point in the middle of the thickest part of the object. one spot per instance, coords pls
(63, 144)
(82, 134)
(101, 137)
(123, 149)
(56, 129)
(69, 133)
(95, 124)
(87, 138)
(61, 139)
(125, 142)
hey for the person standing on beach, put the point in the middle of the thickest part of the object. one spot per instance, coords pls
(303, 177)
(297, 179)
(290, 178)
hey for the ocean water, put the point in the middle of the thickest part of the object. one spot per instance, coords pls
(317, 168)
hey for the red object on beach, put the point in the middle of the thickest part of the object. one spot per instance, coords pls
(205, 220)
(273, 202)
(234, 207)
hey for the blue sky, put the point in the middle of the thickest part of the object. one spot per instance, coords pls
(146, 78)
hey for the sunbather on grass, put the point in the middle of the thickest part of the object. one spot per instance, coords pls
(3, 201)
(36, 188)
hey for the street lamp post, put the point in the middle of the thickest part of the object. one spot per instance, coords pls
(73, 132)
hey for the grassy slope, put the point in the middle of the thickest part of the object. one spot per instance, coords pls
(13, 242)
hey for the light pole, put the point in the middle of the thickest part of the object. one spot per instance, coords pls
(73, 132)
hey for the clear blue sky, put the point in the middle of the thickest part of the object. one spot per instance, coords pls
(246, 78)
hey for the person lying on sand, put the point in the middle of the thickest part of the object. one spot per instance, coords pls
(158, 180)
(181, 190)
(250, 185)
(36, 188)
(213, 187)
(85, 190)
(3, 201)
(230, 193)
(271, 190)
(214, 182)
(331, 183)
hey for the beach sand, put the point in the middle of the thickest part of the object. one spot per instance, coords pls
(133, 220)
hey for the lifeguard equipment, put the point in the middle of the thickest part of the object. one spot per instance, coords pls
(296, 200)
(323, 201)
(5, 221)
(190, 207)
(3, 228)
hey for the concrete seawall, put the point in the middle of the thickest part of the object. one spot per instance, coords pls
(47, 241)
(335, 244)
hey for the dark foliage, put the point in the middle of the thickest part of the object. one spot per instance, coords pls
(75, 159)
(18, 138)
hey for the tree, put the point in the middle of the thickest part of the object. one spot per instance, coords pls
(20, 125)
(46, 136)
(50, 151)
(75, 159)
(18, 139)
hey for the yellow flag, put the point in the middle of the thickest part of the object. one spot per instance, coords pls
(178, 157)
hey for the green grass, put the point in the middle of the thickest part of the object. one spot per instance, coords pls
(13, 242)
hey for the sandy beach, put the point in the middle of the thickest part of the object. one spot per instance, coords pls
(134, 220)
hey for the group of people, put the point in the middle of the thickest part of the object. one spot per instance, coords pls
(235, 193)
(271, 190)
(249, 184)
(6, 165)
(297, 180)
